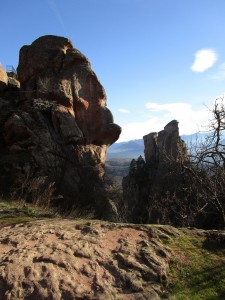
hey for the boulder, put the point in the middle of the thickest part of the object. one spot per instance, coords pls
(14, 84)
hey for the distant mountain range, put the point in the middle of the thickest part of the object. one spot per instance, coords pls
(131, 149)
(135, 148)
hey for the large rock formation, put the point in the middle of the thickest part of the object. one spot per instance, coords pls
(57, 124)
(165, 143)
(164, 153)
(60, 73)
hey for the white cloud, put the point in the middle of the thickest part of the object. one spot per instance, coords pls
(124, 110)
(204, 59)
(137, 130)
(172, 108)
(190, 120)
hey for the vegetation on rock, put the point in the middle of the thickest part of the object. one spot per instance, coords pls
(170, 187)
(55, 129)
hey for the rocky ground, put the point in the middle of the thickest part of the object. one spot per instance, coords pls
(81, 260)
(77, 259)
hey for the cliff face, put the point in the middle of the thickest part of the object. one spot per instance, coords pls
(60, 73)
(166, 143)
(164, 152)
(57, 123)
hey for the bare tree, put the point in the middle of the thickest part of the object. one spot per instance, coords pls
(210, 159)
(192, 193)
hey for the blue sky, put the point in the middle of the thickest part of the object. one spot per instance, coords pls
(157, 59)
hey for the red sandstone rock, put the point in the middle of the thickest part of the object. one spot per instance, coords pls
(57, 125)
(15, 130)
(60, 73)
(66, 259)
(3, 79)
(166, 143)
(164, 151)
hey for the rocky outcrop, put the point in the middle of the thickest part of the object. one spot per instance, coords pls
(83, 260)
(8, 80)
(94, 260)
(166, 143)
(57, 124)
(165, 152)
(56, 71)
(3, 79)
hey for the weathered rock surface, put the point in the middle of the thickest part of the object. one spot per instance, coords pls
(60, 73)
(164, 151)
(3, 79)
(166, 143)
(83, 260)
(57, 123)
